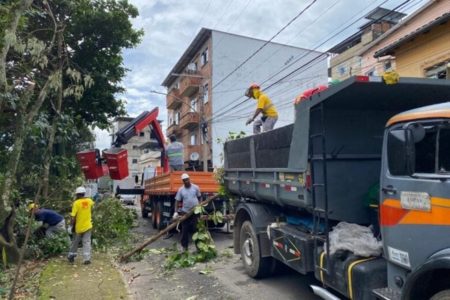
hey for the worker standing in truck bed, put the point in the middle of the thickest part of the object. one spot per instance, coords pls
(175, 154)
(265, 107)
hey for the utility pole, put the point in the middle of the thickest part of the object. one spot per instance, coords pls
(202, 129)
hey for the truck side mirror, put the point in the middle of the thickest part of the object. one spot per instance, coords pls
(401, 152)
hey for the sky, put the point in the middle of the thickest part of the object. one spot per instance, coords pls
(171, 25)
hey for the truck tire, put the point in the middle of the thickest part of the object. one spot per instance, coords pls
(442, 295)
(144, 213)
(159, 215)
(255, 265)
(154, 212)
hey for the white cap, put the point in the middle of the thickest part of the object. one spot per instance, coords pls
(80, 190)
(184, 176)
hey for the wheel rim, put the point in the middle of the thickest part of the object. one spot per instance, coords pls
(248, 250)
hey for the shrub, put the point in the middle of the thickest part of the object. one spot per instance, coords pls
(112, 223)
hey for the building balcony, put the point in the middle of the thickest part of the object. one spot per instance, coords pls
(191, 149)
(190, 84)
(190, 120)
(174, 129)
(173, 100)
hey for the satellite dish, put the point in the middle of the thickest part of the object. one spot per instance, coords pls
(194, 156)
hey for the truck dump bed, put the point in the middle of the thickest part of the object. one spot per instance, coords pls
(349, 119)
(169, 183)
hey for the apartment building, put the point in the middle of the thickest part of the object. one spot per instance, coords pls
(205, 89)
(346, 60)
(135, 150)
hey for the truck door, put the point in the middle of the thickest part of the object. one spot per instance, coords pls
(414, 196)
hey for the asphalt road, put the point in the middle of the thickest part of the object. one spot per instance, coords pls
(226, 281)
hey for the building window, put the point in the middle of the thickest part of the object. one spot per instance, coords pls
(342, 70)
(171, 120)
(193, 139)
(193, 105)
(204, 57)
(134, 161)
(141, 133)
(439, 71)
(387, 65)
(192, 67)
(371, 72)
(205, 93)
(177, 118)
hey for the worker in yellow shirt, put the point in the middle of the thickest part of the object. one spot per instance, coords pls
(81, 216)
(265, 107)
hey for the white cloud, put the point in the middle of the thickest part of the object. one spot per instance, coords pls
(171, 25)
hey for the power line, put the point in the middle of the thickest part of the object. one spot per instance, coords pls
(303, 56)
(265, 44)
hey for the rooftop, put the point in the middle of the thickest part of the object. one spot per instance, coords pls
(198, 42)
(375, 16)
(390, 49)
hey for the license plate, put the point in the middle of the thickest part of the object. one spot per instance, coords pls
(415, 201)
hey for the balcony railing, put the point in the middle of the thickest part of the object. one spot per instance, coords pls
(174, 129)
(173, 99)
(190, 84)
(190, 120)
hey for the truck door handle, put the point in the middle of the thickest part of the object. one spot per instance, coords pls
(389, 190)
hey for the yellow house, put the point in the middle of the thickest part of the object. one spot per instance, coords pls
(425, 52)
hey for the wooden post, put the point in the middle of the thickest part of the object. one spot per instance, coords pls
(154, 238)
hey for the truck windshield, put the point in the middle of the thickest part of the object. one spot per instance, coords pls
(432, 151)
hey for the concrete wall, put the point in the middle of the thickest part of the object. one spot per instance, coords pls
(228, 51)
(425, 51)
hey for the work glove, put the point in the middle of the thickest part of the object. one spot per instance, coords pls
(69, 230)
(249, 121)
(175, 216)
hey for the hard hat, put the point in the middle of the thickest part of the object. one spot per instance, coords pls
(254, 86)
(80, 190)
(248, 92)
(184, 176)
(31, 206)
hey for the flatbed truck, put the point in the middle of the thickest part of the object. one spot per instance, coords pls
(295, 183)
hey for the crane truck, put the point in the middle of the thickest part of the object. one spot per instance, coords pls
(157, 192)
(297, 183)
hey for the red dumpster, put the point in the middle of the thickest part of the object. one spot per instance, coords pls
(117, 161)
(88, 160)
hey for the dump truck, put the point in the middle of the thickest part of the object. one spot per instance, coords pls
(297, 185)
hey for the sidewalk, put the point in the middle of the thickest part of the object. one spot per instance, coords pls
(99, 280)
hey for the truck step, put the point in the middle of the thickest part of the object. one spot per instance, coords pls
(316, 135)
(319, 210)
(166, 214)
(167, 204)
(318, 185)
(387, 294)
(320, 238)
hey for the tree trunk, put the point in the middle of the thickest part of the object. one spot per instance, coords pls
(8, 42)
(59, 99)
(154, 238)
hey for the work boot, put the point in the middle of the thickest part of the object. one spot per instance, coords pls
(71, 258)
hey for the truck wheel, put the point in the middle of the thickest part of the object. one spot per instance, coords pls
(255, 265)
(442, 295)
(154, 212)
(159, 215)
